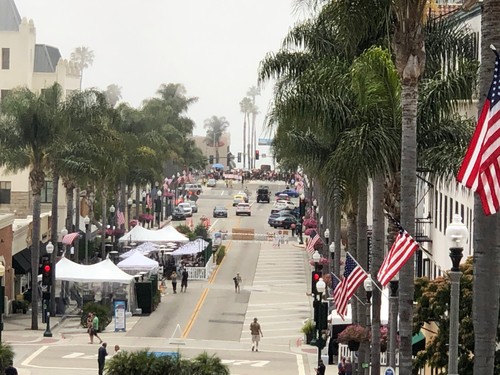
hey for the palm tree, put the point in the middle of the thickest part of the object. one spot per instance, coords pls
(252, 93)
(216, 126)
(83, 57)
(28, 128)
(113, 94)
(245, 108)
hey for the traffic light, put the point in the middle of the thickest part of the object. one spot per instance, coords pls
(239, 157)
(316, 275)
(257, 154)
(322, 320)
(229, 159)
(46, 272)
(211, 159)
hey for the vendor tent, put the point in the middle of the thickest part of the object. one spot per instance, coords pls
(192, 247)
(384, 312)
(145, 249)
(105, 271)
(138, 262)
(135, 234)
(141, 234)
(173, 235)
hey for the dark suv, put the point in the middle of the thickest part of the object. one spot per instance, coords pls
(263, 195)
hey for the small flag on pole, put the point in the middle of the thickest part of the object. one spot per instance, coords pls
(312, 242)
(480, 170)
(120, 217)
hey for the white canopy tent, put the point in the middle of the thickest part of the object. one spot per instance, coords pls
(164, 235)
(145, 249)
(105, 271)
(384, 312)
(138, 262)
(192, 247)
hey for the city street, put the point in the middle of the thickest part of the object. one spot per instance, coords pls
(210, 316)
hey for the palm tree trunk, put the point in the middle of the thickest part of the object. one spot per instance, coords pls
(248, 142)
(485, 306)
(337, 231)
(77, 218)
(137, 201)
(244, 139)
(69, 204)
(253, 146)
(104, 210)
(409, 100)
(54, 234)
(351, 247)
(378, 236)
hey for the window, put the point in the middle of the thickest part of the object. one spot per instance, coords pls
(6, 58)
(3, 94)
(445, 222)
(46, 195)
(4, 192)
(436, 209)
(440, 212)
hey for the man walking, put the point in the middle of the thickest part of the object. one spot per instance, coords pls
(10, 369)
(95, 326)
(256, 333)
(173, 277)
(184, 280)
(237, 282)
(101, 357)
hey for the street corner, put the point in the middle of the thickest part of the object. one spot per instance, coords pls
(36, 337)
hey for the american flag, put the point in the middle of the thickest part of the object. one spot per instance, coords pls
(354, 275)
(120, 217)
(401, 251)
(480, 170)
(338, 285)
(314, 238)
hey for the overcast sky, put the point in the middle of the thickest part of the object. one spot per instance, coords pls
(212, 47)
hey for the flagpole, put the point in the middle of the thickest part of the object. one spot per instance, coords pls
(355, 261)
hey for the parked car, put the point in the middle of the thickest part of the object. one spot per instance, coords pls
(194, 206)
(263, 195)
(212, 182)
(186, 207)
(243, 209)
(178, 214)
(282, 221)
(290, 192)
(282, 205)
(220, 211)
(193, 188)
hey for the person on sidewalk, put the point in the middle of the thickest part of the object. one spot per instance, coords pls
(320, 370)
(10, 369)
(237, 282)
(173, 277)
(89, 328)
(184, 280)
(348, 367)
(256, 333)
(117, 349)
(341, 366)
(101, 357)
(95, 327)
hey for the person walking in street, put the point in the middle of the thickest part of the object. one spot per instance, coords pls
(256, 333)
(10, 369)
(237, 282)
(184, 280)
(348, 367)
(173, 277)
(320, 370)
(95, 327)
(101, 357)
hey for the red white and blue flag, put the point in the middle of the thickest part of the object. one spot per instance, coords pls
(354, 275)
(120, 217)
(480, 170)
(314, 238)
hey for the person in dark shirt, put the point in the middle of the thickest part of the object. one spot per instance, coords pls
(10, 369)
(184, 280)
(321, 368)
(101, 357)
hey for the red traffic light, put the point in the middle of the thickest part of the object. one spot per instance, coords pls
(316, 276)
(46, 268)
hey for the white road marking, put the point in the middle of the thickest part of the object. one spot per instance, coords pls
(239, 362)
(300, 365)
(27, 361)
(74, 355)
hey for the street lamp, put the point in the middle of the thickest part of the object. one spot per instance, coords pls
(368, 285)
(302, 203)
(321, 341)
(393, 320)
(457, 233)
(327, 235)
(316, 258)
(158, 207)
(2, 298)
(129, 203)
(144, 194)
(86, 220)
(332, 255)
(50, 251)
(112, 210)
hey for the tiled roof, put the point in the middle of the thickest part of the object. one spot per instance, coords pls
(46, 58)
(9, 16)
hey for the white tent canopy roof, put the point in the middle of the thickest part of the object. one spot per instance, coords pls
(384, 311)
(138, 262)
(105, 271)
(164, 235)
(192, 247)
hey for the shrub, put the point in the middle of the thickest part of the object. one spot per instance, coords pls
(6, 355)
(308, 327)
(220, 254)
(103, 313)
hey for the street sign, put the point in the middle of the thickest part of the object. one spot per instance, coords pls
(389, 371)
(165, 354)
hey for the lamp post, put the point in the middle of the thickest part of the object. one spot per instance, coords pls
(320, 223)
(368, 285)
(314, 208)
(158, 207)
(327, 236)
(64, 233)
(144, 194)
(112, 225)
(332, 256)
(320, 287)
(316, 258)
(457, 233)
(393, 321)
(50, 251)
(301, 213)
(86, 220)
(129, 203)
(2, 298)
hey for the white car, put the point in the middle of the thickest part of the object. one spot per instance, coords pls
(212, 182)
(186, 207)
(243, 209)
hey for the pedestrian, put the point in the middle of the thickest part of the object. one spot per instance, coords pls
(256, 333)
(101, 357)
(320, 370)
(89, 328)
(117, 349)
(95, 326)
(173, 277)
(237, 282)
(10, 369)
(348, 367)
(341, 366)
(184, 280)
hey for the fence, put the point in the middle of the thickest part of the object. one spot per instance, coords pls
(201, 273)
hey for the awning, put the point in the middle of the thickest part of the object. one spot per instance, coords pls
(21, 262)
(70, 238)
(417, 343)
